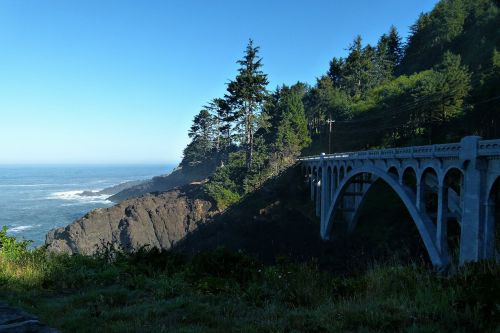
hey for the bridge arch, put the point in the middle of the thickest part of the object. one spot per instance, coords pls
(429, 184)
(335, 176)
(452, 188)
(424, 225)
(409, 178)
(393, 170)
(341, 173)
(429, 170)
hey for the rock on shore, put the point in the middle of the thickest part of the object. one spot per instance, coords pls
(178, 177)
(157, 220)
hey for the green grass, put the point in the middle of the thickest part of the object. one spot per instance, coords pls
(223, 291)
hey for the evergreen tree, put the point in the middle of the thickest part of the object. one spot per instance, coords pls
(383, 64)
(336, 71)
(223, 118)
(359, 69)
(354, 68)
(416, 46)
(202, 133)
(441, 94)
(246, 94)
(394, 46)
(292, 133)
(324, 102)
(485, 115)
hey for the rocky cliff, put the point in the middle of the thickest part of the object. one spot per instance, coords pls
(159, 220)
(178, 177)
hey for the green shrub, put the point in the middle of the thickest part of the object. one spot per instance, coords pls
(224, 264)
(222, 197)
(12, 248)
(150, 261)
(478, 289)
(171, 286)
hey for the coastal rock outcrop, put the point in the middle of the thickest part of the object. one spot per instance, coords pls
(158, 220)
(178, 177)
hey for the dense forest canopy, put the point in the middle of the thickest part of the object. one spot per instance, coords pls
(441, 84)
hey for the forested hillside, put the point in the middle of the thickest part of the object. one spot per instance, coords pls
(439, 84)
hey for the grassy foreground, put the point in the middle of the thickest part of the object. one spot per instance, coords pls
(222, 291)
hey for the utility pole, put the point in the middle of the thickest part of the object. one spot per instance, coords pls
(330, 122)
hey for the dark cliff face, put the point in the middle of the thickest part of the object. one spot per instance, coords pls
(157, 220)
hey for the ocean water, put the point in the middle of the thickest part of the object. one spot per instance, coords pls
(37, 198)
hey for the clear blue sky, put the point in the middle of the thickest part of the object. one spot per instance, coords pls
(119, 81)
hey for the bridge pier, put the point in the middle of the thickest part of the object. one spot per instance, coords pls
(442, 221)
(419, 199)
(471, 241)
(318, 197)
(489, 249)
(312, 181)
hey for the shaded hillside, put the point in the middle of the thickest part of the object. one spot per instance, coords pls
(278, 220)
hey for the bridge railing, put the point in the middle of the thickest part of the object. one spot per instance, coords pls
(489, 148)
(485, 148)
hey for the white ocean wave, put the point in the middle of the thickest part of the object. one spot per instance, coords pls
(77, 198)
(100, 181)
(20, 228)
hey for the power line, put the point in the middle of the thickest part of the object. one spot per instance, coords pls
(396, 126)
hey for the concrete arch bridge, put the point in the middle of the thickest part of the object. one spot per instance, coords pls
(438, 184)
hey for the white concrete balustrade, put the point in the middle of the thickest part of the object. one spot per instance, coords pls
(438, 184)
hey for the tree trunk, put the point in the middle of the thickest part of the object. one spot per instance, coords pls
(248, 139)
(251, 149)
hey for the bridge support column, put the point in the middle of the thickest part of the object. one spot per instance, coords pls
(325, 200)
(489, 246)
(471, 234)
(312, 182)
(333, 185)
(420, 203)
(318, 198)
(442, 221)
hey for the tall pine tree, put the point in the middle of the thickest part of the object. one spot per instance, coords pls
(246, 94)
(394, 46)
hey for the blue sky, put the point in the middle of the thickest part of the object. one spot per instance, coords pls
(119, 81)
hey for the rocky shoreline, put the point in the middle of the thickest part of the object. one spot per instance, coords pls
(156, 212)
(158, 220)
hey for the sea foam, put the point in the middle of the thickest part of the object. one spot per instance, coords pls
(21, 228)
(76, 197)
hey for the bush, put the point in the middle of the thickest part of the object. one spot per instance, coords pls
(224, 264)
(10, 247)
(222, 197)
